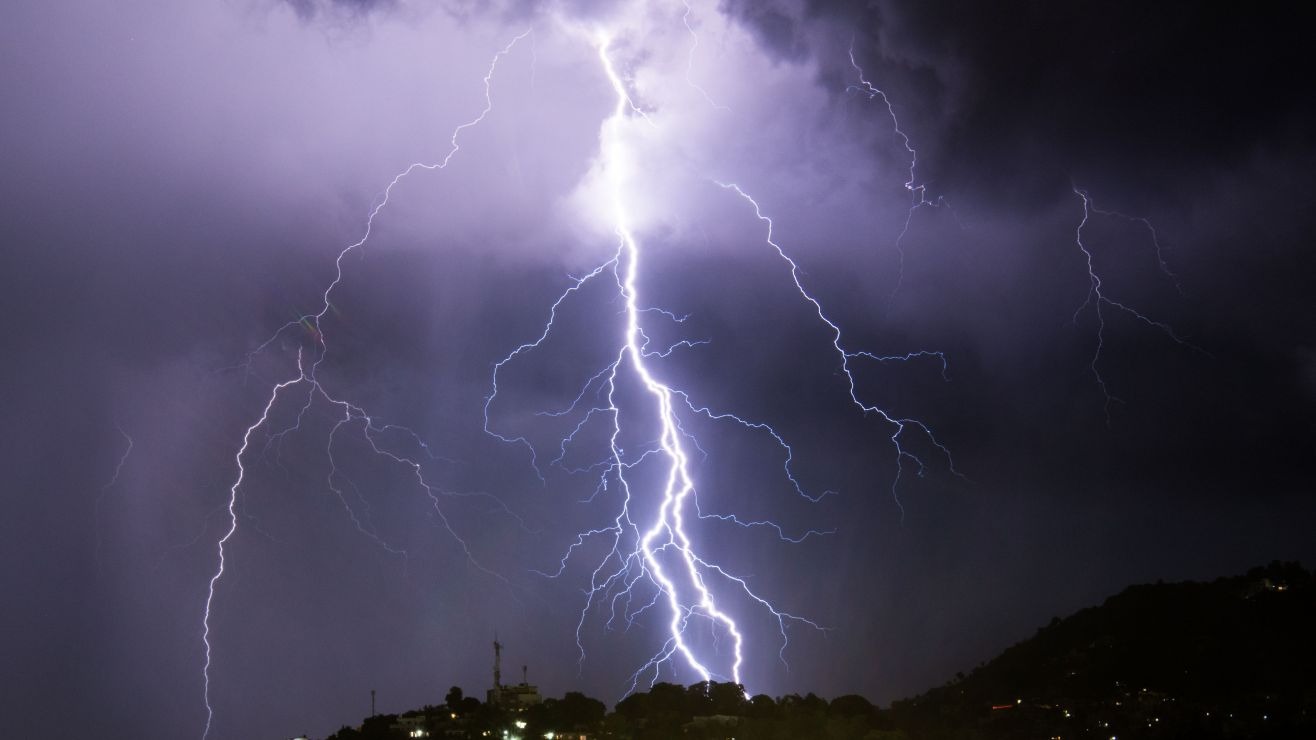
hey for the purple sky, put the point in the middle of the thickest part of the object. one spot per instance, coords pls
(178, 179)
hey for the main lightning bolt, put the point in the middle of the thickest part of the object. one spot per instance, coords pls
(350, 414)
(659, 552)
(685, 589)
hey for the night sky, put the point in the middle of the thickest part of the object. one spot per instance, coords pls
(177, 180)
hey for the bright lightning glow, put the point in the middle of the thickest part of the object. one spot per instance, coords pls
(668, 528)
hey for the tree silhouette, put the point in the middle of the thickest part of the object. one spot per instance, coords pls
(453, 699)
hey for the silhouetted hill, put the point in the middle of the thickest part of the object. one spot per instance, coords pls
(1234, 658)
(1231, 658)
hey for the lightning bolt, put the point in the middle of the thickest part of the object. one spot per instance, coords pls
(660, 552)
(918, 191)
(690, 58)
(898, 425)
(657, 551)
(350, 414)
(685, 588)
(1146, 223)
(1099, 301)
(1096, 297)
(114, 480)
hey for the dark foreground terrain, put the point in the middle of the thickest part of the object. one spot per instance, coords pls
(1233, 658)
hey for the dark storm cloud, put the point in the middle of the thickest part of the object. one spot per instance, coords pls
(1036, 93)
(1172, 111)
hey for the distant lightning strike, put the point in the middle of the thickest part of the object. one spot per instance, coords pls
(1096, 296)
(1098, 299)
(351, 414)
(918, 191)
(114, 480)
(1161, 264)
